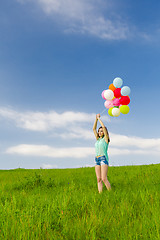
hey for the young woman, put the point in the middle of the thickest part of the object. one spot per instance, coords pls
(101, 159)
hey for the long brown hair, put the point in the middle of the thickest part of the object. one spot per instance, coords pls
(107, 133)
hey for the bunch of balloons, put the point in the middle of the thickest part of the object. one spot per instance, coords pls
(117, 98)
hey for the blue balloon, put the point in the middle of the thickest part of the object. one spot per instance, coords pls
(117, 82)
(125, 91)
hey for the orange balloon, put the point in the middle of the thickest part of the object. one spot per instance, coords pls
(112, 87)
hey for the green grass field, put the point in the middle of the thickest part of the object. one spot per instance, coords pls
(65, 204)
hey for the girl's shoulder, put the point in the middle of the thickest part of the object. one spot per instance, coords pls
(105, 141)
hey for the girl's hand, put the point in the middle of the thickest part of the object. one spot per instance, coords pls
(98, 116)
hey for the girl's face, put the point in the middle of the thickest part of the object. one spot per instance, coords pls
(100, 132)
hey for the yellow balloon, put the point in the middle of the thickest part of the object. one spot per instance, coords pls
(124, 109)
(110, 112)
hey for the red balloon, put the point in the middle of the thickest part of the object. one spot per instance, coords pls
(125, 100)
(117, 92)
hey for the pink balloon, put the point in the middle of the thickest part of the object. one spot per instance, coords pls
(116, 102)
(102, 94)
(108, 104)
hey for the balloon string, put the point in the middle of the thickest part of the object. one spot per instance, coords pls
(103, 111)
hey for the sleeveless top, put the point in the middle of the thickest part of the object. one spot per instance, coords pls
(101, 147)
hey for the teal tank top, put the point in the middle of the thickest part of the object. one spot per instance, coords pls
(101, 147)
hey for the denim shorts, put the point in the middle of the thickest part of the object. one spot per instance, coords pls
(101, 160)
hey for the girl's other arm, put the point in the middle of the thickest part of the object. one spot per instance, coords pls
(95, 128)
(104, 130)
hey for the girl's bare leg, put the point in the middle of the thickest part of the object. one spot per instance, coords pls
(99, 179)
(104, 171)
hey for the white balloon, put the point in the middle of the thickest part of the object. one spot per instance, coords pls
(125, 91)
(108, 94)
(116, 112)
(117, 82)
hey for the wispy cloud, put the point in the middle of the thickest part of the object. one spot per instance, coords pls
(48, 166)
(85, 16)
(73, 152)
(47, 151)
(137, 142)
(71, 124)
(125, 151)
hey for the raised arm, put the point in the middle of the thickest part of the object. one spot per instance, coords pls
(95, 128)
(104, 129)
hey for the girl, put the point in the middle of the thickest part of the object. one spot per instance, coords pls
(101, 159)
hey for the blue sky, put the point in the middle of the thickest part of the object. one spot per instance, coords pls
(56, 57)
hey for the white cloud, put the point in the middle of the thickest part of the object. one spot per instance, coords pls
(137, 142)
(85, 16)
(47, 151)
(70, 123)
(48, 166)
(45, 121)
(77, 133)
(125, 151)
(73, 152)
(73, 125)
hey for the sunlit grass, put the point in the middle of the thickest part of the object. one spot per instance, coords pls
(65, 204)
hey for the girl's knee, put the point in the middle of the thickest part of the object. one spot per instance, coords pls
(99, 180)
(104, 179)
